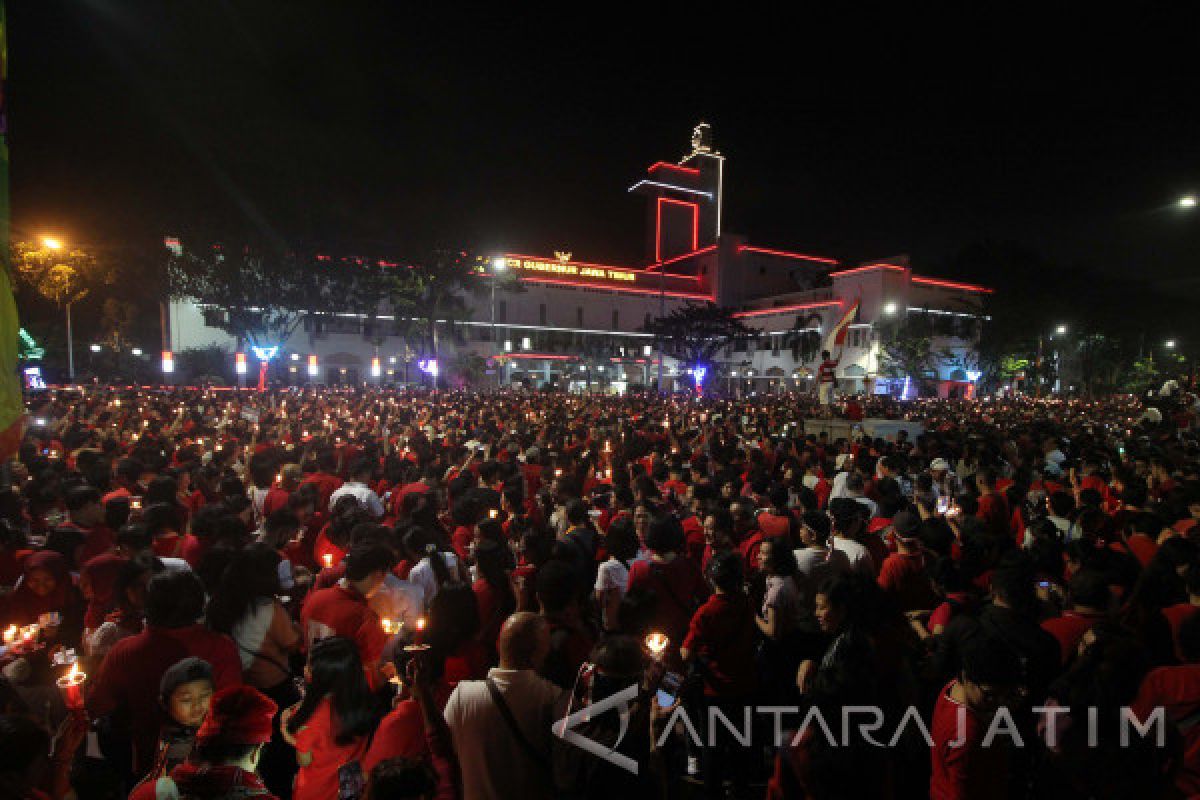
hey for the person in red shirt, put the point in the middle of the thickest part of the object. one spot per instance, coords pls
(325, 478)
(677, 582)
(1090, 602)
(904, 575)
(993, 511)
(1177, 613)
(331, 727)
(1176, 689)
(126, 688)
(721, 638)
(777, 522)
(962, 768)
(342, 610)
(84, 535)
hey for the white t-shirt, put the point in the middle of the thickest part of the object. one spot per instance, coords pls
(423, 576)
(857, 555)
(251, 630)
(612, 574)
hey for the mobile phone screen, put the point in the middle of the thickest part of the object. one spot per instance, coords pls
(663, 699)
(943, 505)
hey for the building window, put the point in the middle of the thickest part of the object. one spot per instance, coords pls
(775, 345)
(526, 343)
(542, 314)
(502, 312)
(739, 346)
(615, 318)
(578, 316)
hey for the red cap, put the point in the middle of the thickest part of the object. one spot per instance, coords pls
(238, 715)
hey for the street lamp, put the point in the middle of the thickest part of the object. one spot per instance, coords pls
(1061, 330)
(889, 308)
(52, 243)
(1169, 344)
(1187, 201)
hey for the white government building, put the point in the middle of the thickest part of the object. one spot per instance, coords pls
(579, 325)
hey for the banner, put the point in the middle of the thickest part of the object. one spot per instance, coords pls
(12, 406)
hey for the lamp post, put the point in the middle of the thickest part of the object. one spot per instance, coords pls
(498, 266)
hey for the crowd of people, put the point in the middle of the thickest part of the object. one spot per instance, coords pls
(323, 593)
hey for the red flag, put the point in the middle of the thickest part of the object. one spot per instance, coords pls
(836, 337)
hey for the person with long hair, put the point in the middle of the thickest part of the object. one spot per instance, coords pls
(456, 653)
(330, 728)
(612, 577)
(437, 564)
(97, 582)
(245, 607)
(493, 591)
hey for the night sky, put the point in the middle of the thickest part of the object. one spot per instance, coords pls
(386, 127)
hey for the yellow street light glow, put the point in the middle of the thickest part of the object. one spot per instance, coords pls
(52, 243)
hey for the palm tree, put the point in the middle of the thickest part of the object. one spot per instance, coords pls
(803, 340)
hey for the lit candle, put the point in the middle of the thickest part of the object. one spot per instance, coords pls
(387, 626)
(71, 685)
(10, 634)
(420, 630)
(657, 643)
(328, 559)
(493, 513)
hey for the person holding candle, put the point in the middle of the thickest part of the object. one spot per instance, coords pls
(46, 587)
(343, 610)
(97, 583)
(127, 615)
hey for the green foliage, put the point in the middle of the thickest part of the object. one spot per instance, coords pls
(212, 364)
(433, 290)
(695, 332)
(262, 295)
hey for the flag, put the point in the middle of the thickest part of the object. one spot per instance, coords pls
(12, 406)
(836, 338)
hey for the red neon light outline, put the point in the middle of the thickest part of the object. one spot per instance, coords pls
(589, 264)
(966, 287)
(655, 266)
(658, 224)
(627, 290)
(867, 268)
(762, 312)
(785, 254)
(676, 167)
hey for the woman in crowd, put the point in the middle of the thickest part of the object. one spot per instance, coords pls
(331, 727)
(612, 577)
(127, 614)
(245, 606)
(47, 588)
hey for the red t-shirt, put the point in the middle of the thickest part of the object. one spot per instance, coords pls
(678, 586)
(994, 513)
(693, 531)
(319, 780)
(722, 630)
(1175, 615)
(1177, 690)
(401, 734)
(1068, 629)
(903, 576)
(341, 611)
(276, 500)
(326, 485)
(774, 526)
(967, 771)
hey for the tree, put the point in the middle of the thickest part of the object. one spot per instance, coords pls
(804, 338)
(906, 348)
(694, 333)
(261, 296)
(434, 290)
(62, 275)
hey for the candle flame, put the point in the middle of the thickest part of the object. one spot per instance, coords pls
(328, 559)
(387, 625)
(656, 643)
(420, 623)
(74, 676)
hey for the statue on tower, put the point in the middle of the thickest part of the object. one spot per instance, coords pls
(702, 138)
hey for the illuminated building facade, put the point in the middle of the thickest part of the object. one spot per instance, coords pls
(577, 324)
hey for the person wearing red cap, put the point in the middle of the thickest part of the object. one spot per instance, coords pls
(223, 763)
